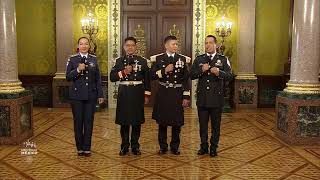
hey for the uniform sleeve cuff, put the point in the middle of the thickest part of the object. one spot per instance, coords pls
(120, 74)
(221, 74)
(159, 73)
(186, 93)
(148, 93)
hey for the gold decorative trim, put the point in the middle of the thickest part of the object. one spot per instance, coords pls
(176, 32)
(199, 32)
(303, 88)
(12, 87)
(60, 76)
(114, 50)
(139, 34)
(246, 76)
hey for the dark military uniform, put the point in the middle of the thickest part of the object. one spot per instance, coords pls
(173, 88)
(84, 91)
(210, 95)
(130, 100)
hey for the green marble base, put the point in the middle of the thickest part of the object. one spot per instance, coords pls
(15, 95)
(16, 123)
(298, 118)
(246, 93)
(299, 96)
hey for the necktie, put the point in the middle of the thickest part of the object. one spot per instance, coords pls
(210, 58)
(83, 59)
(171, 59)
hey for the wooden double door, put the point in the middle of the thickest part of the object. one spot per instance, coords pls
(150, 21)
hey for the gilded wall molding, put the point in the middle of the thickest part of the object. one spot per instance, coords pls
(199, 29)
(114, 50)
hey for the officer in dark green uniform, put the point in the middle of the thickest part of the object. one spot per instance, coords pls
(211, 70)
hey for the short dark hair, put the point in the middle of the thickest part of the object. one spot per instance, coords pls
(170, 37)
(130, 38)
(83, 37)
(212, 36)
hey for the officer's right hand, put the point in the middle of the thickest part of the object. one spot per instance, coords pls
(128, 69)
(205, 67)
(169, 68)
(81, 67)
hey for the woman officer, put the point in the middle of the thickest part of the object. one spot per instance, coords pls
(83, 71)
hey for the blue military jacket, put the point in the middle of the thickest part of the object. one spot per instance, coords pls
(210, 87)
(86, 85)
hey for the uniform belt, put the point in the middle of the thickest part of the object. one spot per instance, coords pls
(170, 85)
(130, 83)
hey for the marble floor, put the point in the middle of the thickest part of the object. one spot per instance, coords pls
(248, 150)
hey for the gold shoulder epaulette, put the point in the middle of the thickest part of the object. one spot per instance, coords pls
(188, 59)
(153, 58)
(145, 58)
(148, 61)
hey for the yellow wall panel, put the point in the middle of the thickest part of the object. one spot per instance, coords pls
(99, 8)
(36, 47)
(272, 29)
(215, 9)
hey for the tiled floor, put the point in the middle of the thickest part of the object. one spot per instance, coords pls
(248, 150)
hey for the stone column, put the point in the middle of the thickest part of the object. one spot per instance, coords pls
(64, 38)
(298, 106)
(15, 101)
(246, 84)
(9, 81)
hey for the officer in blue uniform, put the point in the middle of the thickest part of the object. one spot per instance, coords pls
(211, 70)
(83, 71)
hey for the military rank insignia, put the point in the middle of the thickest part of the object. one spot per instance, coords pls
(92, 65)
(179, 64)
(136, 67)
(218, 63)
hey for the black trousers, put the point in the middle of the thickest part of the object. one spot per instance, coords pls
(215, 116)
(175, 139)
(83, 116)
(135, 135)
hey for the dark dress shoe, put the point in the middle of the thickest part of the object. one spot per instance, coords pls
(136, 151)
(175, 152)
(213, 153)
(203, 151)
(80, 153)
(87, 153)
(123, 152)
(163, 151)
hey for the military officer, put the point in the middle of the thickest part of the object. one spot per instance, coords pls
(171, 69)
(211, 70)
(83, 71)
(133, 74)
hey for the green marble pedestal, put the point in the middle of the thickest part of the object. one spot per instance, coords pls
(16, 123)
(298, 118)
(246, 93)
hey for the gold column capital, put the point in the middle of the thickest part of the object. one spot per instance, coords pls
(11, 87)
(60, 76)
(302, 88)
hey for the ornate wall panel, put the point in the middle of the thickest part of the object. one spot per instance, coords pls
(99, 8)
